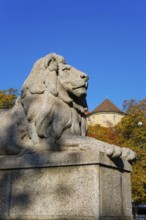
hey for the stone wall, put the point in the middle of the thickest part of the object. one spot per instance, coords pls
(104, 119)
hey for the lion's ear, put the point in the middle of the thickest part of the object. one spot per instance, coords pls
(52, 61)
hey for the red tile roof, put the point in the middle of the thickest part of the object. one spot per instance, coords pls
(107, 106)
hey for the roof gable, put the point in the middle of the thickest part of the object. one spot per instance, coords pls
(107, 106)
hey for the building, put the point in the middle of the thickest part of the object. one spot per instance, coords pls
(106, 114)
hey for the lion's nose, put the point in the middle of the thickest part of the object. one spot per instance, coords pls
(84, 76)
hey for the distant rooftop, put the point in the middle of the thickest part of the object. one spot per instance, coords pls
(107, 106)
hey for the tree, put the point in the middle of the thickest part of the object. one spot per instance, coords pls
(8, 98)
(131, 133)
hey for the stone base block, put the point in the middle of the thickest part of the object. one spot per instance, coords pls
(65, 185)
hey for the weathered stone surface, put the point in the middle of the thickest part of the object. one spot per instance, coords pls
(76, 185)
(61, 191)
(116, 194)
(111, 188)
(126, 193)
(5, 187)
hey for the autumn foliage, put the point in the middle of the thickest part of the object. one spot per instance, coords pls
(102, 133)
(131, 133)
(8, 98)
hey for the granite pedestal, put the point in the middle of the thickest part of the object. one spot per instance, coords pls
(65, 185)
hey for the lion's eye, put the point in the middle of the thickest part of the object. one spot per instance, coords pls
(66, 68)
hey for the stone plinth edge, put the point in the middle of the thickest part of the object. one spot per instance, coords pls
(62, 158)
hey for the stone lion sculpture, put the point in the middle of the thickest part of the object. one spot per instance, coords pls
(49, 114)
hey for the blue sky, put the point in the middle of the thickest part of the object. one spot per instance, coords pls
(104, 38)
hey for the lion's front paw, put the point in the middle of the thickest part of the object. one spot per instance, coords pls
(114, 151)
(117, 151)
(128, 154)
(109, 150)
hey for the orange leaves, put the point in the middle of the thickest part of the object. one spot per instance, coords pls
(102, 133)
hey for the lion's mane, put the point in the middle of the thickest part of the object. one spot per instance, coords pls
(50, 109)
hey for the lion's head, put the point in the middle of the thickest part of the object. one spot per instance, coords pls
(73, 80)
(53, 74)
